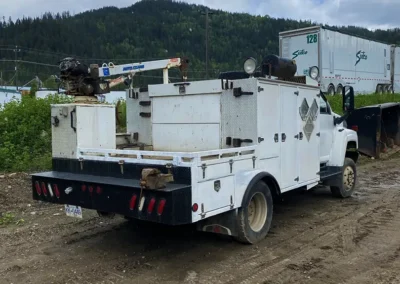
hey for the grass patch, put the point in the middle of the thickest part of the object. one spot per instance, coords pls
(9, 219)
(362, 100)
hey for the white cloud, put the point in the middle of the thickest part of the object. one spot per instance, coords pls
(366, 13)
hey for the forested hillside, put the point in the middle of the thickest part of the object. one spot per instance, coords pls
(146, 30)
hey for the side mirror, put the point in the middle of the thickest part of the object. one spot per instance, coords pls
(348, 99)
(348, 104)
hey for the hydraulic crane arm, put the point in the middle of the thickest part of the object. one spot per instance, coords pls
(79, 80)
(111, 69)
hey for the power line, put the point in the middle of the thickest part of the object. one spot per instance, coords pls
(28, 62)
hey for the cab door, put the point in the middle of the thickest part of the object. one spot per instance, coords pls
(327, 128)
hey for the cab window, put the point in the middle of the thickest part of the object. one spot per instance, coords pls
(324, 106)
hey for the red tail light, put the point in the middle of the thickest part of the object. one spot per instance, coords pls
(195, 207)
(161, 205)
(38, 189)
(98, 190)
(150, 208)
(56, 191)
(44, 189)
(132, 202)
(91, 189)
(83, 187)
(355, 127)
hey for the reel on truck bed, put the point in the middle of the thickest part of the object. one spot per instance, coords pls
(76, 79)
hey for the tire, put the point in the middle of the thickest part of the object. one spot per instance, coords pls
(331, 90)
(348, 180)
(390, 89)
(339, 90)
(379, 89)
(385, 89)
(255, 217)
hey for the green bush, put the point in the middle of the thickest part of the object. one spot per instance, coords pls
(25, 133)
(121, 116)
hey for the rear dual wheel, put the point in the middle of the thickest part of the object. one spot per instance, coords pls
(255, 217)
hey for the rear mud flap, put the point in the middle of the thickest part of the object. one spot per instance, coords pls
(224, 224)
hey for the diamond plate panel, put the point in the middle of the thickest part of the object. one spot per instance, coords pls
(308, 127)
(304, 109)
(314, 110)
(64, 139)
(239, 115)
(136, 123)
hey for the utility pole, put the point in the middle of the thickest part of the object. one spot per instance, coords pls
(16, 50)
(207, 13)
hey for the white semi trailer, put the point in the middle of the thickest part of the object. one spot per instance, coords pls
(366, 65)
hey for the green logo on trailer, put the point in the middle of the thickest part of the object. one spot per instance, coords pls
(299, 52)
(361, 55)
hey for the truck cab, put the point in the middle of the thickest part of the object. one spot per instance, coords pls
(215, 153)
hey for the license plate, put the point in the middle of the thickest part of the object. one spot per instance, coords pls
(73, 211)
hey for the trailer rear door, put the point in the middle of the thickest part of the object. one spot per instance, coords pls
(303, 48)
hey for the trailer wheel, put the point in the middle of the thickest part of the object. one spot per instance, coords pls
(331, 90)
(386, 89)
(379, 89)
(339, 89)
(348, 180)
(255, 217)
(390, 89)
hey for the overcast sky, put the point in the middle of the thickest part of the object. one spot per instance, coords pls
(366, 13)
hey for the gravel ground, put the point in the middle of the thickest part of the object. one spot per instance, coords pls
(315, 238)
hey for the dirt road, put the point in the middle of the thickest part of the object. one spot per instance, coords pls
(314, 239)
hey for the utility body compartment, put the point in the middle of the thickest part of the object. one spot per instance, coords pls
(81, 125)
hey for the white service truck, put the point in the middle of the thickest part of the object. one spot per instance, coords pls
(215, 153)
(366, 65)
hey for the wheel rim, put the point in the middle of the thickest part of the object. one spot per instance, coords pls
(257, 211)
(331, 91)
(339, 90)
(348, 178)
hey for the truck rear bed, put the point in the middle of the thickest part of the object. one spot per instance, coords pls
(101, 186)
